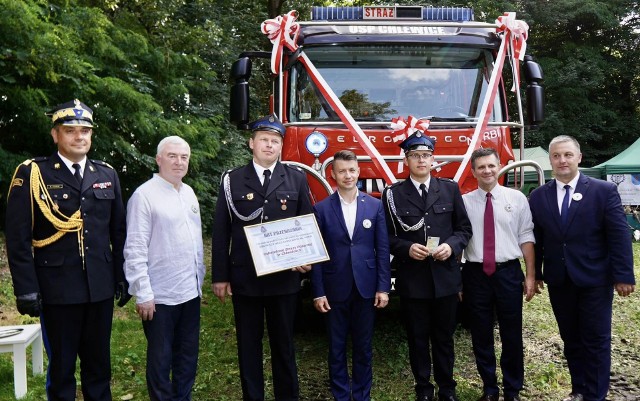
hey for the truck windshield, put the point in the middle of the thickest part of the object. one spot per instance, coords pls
(382, 81)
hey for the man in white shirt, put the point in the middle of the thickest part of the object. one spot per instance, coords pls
(165, 269)
(492, 277)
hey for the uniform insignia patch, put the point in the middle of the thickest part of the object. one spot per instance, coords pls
(102, 185)
(56, 166)
(17, 182)
(250, 196)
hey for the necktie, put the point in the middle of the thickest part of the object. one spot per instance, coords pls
(564, 211)
(423, 189)
(265, 182)
(489, 247)
(76, 167)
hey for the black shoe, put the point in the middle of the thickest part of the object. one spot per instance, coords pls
(489, 397)
(451, 397)
(512, 398)
(574, 397)
(424, 398)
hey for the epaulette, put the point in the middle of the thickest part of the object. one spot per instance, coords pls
(295, 168)
(446, 179)
(395, 184)
(35, 159)
(102, 163)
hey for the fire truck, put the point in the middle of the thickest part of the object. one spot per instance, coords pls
(343, 79)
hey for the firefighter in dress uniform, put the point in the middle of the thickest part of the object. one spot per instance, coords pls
(428, 229)
(262, 191)
(65, 235)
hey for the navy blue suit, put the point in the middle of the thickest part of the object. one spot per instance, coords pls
(359, 267)
(580, 261)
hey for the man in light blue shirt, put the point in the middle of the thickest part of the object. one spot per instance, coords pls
(165, 269)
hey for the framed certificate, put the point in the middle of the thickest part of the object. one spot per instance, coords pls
(284, 244)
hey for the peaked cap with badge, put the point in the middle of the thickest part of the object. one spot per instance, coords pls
(73, 113)
(418, 141)
(268, 123)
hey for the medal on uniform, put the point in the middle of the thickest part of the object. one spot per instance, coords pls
(366, 223)
(284, 204)
(577, 196)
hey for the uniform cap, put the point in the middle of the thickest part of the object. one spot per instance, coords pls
(73, 113)
(418, 141)
(268, 123)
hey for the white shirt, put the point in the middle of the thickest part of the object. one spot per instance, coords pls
(260, 170)
(417, 184)
(349, 212)
(512, 220)
(560, 191)
(164, 252)
(70, 164)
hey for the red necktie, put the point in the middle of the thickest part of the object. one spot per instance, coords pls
(489, 247)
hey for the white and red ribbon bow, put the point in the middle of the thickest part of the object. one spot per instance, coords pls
(282, 31)
(405, 129)
(408, 127)
(518, 31)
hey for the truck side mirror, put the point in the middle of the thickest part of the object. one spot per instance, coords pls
(535, 92)
(239, 99)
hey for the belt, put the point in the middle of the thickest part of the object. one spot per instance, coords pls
(499, 265)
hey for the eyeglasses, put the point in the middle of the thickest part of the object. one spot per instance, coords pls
(420, 156)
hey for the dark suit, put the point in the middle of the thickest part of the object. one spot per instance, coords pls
(78, 300)
(428, 288)
(275, 294)
(359, 267)
(582, 260)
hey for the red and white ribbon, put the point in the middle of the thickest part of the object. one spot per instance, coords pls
(283, 32)
(518, 31)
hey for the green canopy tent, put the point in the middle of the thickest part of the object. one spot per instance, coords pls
(626, 162)
(624, 171)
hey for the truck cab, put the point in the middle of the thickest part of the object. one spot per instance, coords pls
(433, 63)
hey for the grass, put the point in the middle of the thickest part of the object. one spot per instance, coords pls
(546, 376)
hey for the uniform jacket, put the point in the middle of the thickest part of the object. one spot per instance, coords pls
(362, 260)
(56, 270)
(594, 247)
(287, 196)
(445, 217)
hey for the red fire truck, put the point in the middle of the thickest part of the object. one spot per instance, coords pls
(341, 79)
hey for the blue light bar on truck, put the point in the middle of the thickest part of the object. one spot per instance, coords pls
(398, 13)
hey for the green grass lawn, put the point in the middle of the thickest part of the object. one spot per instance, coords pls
(546, 377)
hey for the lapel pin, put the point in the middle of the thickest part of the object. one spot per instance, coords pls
(577, 196)
(508, 208)
(250, 196)
(56, 166)
(194, 209)
(91, 168)
(366, 223)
